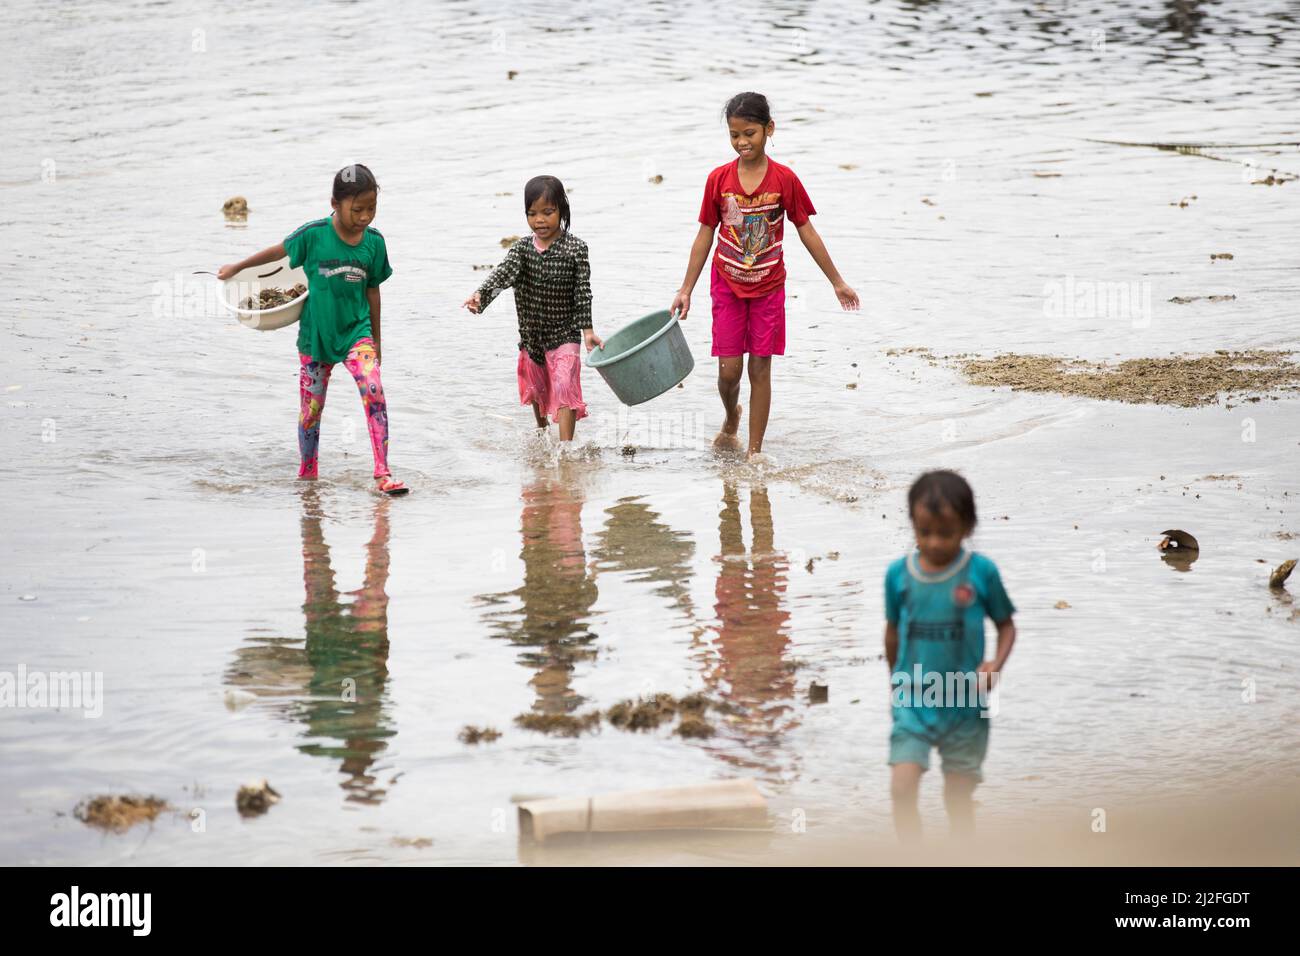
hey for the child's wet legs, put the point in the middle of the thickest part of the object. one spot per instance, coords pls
(958, 788)
(567, 419)
(760, 399)
(313, 380)
(904, 788)
(363, 363)
(541, 419)
(730, 368)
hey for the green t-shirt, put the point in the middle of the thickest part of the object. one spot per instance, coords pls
(336, 313)
(940, 619)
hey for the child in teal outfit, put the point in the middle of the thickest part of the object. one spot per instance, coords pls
(936, 599)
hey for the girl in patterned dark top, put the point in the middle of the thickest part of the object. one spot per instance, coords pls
(551, 276)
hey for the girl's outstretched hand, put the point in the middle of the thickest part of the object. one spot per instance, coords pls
(473, 304)
(848, 298)
(681, 304)
(593, 340)
(225, 272)
(991, 669)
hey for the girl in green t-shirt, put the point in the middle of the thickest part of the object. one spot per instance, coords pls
(345, 260)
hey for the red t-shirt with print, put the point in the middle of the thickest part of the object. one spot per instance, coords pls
(748, 253)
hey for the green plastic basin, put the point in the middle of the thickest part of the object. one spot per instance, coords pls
(644, 359)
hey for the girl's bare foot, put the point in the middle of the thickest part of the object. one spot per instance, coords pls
(727, 437)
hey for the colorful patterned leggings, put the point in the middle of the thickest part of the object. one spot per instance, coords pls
(314, 379)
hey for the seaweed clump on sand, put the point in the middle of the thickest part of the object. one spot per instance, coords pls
(272, 298)
(119, 813)
(1186, 380)
(560, 725)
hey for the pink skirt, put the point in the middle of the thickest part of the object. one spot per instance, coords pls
(555, 385)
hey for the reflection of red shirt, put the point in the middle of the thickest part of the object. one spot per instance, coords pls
(748, 253)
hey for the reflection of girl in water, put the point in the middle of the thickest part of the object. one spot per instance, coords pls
(555, 600)
(348, 652)
(752, 619)
(339, 676)
(635, 539)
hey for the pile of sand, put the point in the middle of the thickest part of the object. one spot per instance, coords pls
(1185, 380)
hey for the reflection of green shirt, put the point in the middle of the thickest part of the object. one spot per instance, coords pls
(336, 313)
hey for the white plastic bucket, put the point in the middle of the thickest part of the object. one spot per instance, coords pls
(275, 275)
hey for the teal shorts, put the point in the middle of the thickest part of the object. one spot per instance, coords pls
(962, 745)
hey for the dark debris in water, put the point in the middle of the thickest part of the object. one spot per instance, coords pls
(560, 725)
(694, 726)
(647, 713)
(254, 799)
(642, 713)
(698, 704)
(473, 735)
(119, 813)
(235, 208)
(1176, 539)
(830, 556)
(1178, 549)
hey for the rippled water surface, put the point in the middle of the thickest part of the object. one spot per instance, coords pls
(966, 159)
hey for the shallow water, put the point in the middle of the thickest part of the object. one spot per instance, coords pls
(149, 446)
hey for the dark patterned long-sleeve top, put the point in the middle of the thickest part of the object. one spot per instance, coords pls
(552, 292)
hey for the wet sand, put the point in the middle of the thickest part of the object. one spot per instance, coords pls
(153, 519)
(1253, 825)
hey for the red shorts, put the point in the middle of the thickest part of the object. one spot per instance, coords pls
(555, 385)
(756, 326)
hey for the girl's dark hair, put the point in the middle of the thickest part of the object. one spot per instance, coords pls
(550, 188)
(935, 489)
(353, 181)
(750, 106)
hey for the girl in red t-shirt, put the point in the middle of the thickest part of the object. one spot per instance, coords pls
(750, 200)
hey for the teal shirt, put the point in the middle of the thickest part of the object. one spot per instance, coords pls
(940, 619)
(337, 313)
